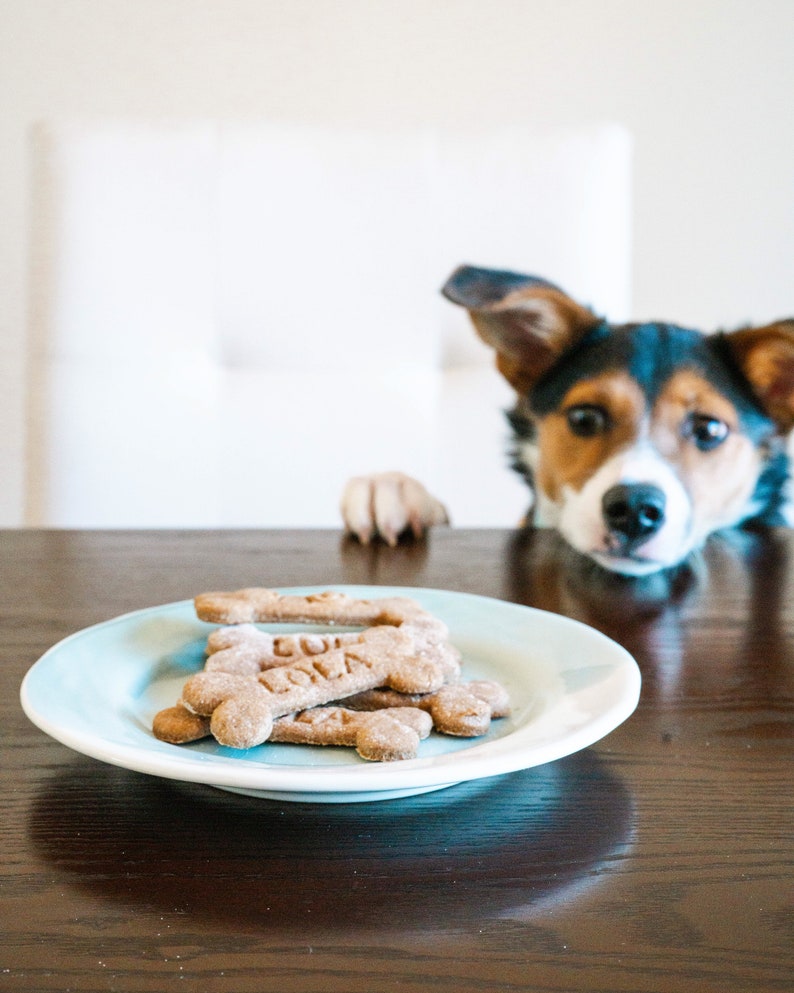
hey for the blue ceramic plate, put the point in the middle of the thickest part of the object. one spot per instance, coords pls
(98, 690)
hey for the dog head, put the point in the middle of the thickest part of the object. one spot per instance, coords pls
(639, 440)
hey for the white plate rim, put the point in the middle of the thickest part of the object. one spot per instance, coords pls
(359, 780)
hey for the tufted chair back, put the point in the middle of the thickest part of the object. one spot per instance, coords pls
(230, 319)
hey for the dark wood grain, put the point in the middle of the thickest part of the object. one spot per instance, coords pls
(659, 860)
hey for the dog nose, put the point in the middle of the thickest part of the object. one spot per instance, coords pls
(633, 512)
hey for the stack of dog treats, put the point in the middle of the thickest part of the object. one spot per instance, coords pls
(380, 689)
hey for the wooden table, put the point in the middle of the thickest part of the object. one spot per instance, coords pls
(658, 860)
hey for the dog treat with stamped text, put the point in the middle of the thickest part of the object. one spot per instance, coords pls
(242, 708)
(378, 736)
(258, 604)
(261, 605)
(244, 648)
(464, 710)
(380, 689)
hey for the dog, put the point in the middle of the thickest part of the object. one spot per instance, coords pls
(637, 441)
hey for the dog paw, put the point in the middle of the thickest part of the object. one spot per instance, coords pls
(388, 504)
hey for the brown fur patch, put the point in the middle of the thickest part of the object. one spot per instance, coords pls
(567, 460)
(766, 356)
(721, 481)
(530, 329)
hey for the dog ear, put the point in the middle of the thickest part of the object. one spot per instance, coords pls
(529, 321)
(766, 357)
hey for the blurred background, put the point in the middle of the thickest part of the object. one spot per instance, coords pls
(642, 153)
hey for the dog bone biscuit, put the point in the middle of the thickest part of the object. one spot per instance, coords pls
(463, 710)
(379, 736)
(261, 605)
(242, 708)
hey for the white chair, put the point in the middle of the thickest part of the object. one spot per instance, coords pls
(231, 319)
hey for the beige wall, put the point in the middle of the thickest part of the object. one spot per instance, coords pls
(705, 86)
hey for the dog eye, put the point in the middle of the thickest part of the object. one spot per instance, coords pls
(707, 432)
(587, 420)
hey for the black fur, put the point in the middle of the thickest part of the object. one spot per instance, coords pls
(770, 492)
(470, 286)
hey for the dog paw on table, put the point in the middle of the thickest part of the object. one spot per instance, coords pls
(386, 504)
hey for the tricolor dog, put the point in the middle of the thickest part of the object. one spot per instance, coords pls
(637, 440)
